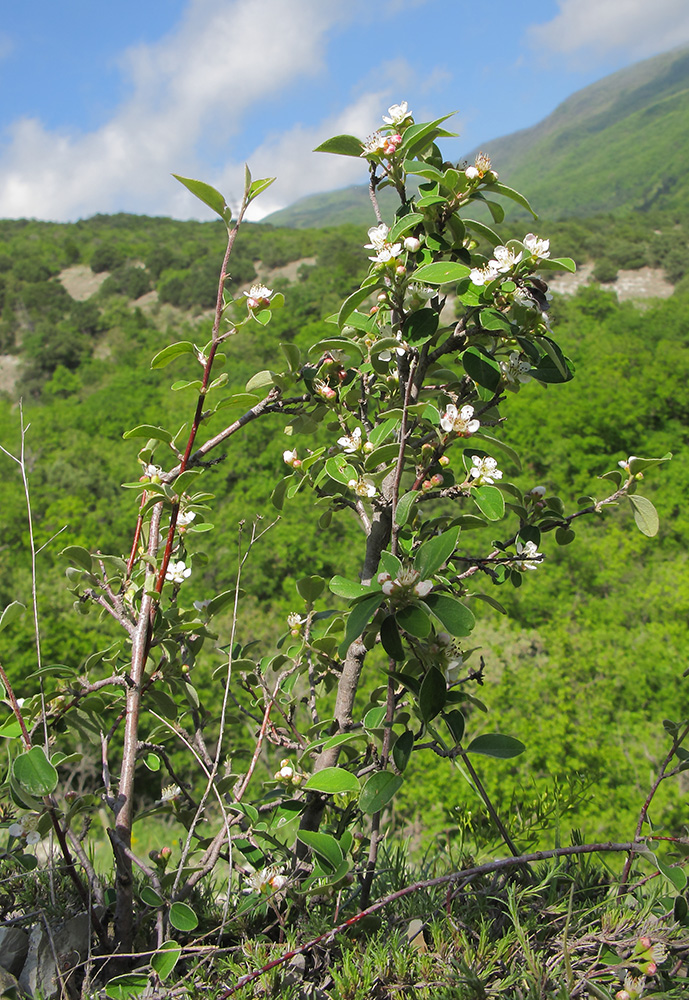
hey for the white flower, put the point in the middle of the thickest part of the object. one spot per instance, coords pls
(170, 793)
(471, 173)
(515, 370)
(378, 236)
(362, 487)
(462, 422)
(26, 828)
(528, 554)
(453, 667)
(153, 470)
(485, 471)
(295, 621)
(423, 588)
(177, 572)
(290, 458)
(537, 247)
(505, 259)
(259, 292)
(626, 462)
(351, 442)
(398, 114)
(483, 275)
(185, 517)
(537, 491)
(374, 145)
(267, 881)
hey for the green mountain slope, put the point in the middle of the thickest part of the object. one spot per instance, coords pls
(619, 145)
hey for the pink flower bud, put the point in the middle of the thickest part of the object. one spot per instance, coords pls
(444, 461)
(427, 485)
(437, 480)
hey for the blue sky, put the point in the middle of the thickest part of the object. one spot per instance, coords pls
(103, 102)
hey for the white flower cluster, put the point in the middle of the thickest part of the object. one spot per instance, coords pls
(267, 881)
(25, 828)
(386, 251)
(351, 442)
(484, 471)
(505, 259)
(515, 371)
(258, 297)
(363, 487)
(461, 422)
(177, 572)
(528, 556)
(406, 580)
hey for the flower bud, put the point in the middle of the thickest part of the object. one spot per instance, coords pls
(400, 270)
(412, 244)
(427, 485)
(437, 480)
(382, 297)
(444, 461)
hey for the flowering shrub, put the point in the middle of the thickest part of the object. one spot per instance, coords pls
(412, 401)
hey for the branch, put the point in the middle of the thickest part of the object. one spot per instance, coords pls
(466, 874)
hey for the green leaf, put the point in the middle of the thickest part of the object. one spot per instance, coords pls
(310, 588)
(440, 272)
(498, 443)
(509, 192)
(35, 773)
(414, 619)
(171, 352)
(150, 897)
(358, 618)
(390, 638)
(418, 137)
(420, 326)
(496, 745)
(348, 589)
(208, 195)
(401, 752)
(78, 556)
(132, 984)
(152, 761)
(456, 618)
(166, 958)
(563, 536)
(482, 368)
(645, 515)
(350, 304)
(332, 781)
(638, 464)
(258, 186)
(435, 552)
(379, 790)
(557, 264)
(488, 234)
(261, 380)
(405, 507)
(323, 845)
(342, 145)
(432, 694)
(148, 431)
(674, 875)
(489, 501)
(11, 613)
(183, 918)
(454, 721)
(403, 225)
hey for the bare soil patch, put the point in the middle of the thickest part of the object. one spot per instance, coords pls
(80, 281)
(643, 283)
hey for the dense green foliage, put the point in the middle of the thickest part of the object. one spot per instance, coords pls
(572, 673)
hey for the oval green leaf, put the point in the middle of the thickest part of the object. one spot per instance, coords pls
(496, 745)
(132, 984)
(378, 791)
(489, 501)
(433, 694)
(645, 515)
(171, 352)
(332, 781)
(441, 272)
(35, 773)
(456, 618)
(183, 918)
(324, 846)
(166, 958)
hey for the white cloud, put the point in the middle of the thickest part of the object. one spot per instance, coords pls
(634, 27)
(207, 73)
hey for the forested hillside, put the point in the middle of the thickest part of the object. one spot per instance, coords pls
(628, 129)
(592, 662)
